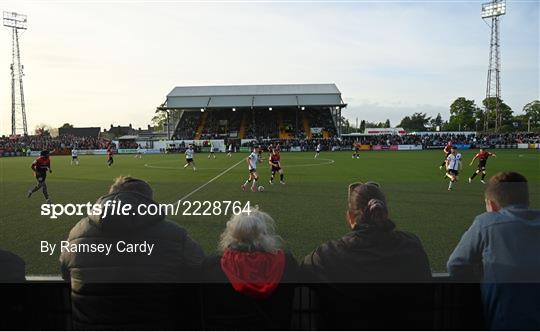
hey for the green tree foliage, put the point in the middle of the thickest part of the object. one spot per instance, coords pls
(436, 122)
(416, 122)
(532, 111)
(505, 112)
(362, 126)
(462, 114)
(387, 124)
(67, 125)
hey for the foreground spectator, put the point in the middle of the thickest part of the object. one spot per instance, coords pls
(132, 290)
(373, 252)
(251, 284)
(502, 250)
(12, 267)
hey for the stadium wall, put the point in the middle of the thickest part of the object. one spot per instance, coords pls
(45, 304)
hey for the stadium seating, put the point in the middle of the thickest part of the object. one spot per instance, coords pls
(256, 124)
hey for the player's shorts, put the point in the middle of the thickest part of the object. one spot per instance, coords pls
(41, 176)
(189, 160)
(275, 169)
(453, 172)
(252, 170)
(482, 166)
(74, 157)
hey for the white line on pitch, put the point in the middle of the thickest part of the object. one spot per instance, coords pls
(211, 180)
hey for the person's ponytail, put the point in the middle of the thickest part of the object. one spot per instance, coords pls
(375, 212)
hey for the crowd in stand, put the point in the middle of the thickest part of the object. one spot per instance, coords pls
(250, 283)
(426, 140)
(128, 144)
(47, 142)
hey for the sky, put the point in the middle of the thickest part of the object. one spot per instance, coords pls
(97, 63)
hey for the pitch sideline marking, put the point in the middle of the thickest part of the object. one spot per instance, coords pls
(210, 181)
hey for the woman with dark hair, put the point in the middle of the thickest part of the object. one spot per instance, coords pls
(344, 271)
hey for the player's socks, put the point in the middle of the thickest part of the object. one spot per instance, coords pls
(483, 176)
(474, 175)
(29, 193)
(450, 185)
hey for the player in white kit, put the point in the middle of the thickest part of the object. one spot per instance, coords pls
(212, 153)
(453, 166)
(74, 157)
(230, 151)
(189, 157)
(317, 150)
(253, 177)
(138, 154)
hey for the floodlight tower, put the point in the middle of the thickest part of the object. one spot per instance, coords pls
(16, 22)
(494, 10)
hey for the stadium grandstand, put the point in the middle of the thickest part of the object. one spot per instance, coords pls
(281, 111)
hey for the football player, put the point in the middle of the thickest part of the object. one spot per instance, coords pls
(275, 163)
(453, 166)
(41, 166)
(482, 156)
(189, 157)
(253, 177)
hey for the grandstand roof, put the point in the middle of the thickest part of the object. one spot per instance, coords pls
(286, 95)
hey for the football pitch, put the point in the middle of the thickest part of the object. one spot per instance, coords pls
(309, 209)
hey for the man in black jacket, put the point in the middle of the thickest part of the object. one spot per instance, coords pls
(129, 285)
(360, 277)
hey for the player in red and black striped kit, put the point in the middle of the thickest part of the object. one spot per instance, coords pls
(482, 156)
(275, 163)
(447, 151)
(40, 166)
(110, 154)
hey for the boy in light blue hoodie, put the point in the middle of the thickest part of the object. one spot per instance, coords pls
(501, 250)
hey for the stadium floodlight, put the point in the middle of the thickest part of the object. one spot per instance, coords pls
(202, 109)
(302, 108)
(15, 20)
(493, 8)
(234, 109)
(269, 108)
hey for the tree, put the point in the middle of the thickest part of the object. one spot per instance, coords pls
(387, 124)
(67, 125)
(362, 126)
(504, 116)
(42, 129)
(462, 112)
(436, 122)
(415, 122)
(532, 111)
(160, 118)
(346, 125)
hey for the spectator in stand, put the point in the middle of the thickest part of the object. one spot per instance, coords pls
(251, 283)
(132, 290)
(502, 250)
(373, 252)
(12, 267)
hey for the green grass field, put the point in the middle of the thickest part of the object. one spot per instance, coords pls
(308, 210)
